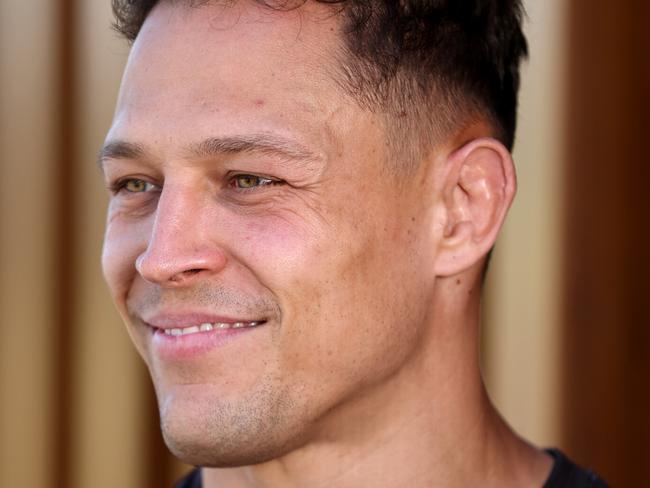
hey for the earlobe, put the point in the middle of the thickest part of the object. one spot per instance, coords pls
(479, 187)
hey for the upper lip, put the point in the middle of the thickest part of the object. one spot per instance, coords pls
(180, 321)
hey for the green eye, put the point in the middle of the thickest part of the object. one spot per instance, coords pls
(137, 186)
(245, 182)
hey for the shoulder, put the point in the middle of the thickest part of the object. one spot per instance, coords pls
(566, 474)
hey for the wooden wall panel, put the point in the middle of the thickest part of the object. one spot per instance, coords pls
(607, 257)
(27, 243)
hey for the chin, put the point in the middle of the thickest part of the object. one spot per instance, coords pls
(214, 432)
(224, 454)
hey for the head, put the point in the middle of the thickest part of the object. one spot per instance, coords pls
(324, 173)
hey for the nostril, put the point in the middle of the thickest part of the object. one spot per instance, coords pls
(188, 273)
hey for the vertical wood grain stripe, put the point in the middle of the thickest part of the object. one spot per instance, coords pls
(606, 266)
(65, 242)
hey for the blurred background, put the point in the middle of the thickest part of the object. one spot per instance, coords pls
(566, 339)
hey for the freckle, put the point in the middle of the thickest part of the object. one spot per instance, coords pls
(412, 219)
(458, 282)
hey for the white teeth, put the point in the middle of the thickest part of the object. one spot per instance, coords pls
(207, 327)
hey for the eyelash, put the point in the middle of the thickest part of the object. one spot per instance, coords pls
(262, 181)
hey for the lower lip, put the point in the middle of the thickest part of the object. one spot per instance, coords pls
(185, 347)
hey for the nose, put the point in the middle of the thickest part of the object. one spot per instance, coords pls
(182, 247)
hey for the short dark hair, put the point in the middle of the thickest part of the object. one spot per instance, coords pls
(429, 65)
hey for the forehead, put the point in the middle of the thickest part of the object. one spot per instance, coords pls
(203, 39)
(235, 64)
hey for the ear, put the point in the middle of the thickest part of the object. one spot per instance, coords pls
(478, 186)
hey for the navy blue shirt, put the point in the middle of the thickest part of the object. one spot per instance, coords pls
(565, 474)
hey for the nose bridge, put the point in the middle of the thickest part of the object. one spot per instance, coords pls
(178, 246)
(177, 216)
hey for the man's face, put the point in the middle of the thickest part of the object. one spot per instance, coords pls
(253, 212)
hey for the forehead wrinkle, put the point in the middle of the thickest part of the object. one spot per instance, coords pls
(266, 144)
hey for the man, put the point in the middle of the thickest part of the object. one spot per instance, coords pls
(303, 196)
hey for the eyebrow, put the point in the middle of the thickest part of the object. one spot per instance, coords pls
(120, 150)
(267, 144)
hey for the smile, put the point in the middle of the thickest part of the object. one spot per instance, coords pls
(207, 327)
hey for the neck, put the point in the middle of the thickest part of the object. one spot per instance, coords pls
(431, 424)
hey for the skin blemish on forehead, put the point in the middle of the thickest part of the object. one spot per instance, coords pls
(259, 102)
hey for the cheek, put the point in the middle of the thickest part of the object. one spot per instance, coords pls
(357, 322)
(344, 323)
(123, 243)
(279, 250)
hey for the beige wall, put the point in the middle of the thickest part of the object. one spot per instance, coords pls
(522, 313)
(109, 398)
